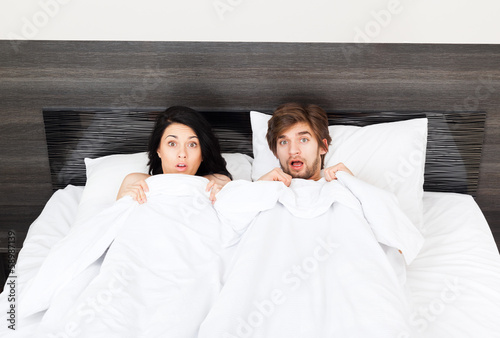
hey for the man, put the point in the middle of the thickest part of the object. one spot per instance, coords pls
(298, 136)
(308, 262)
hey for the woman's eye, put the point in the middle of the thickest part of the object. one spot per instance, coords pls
(192, 144)
(171, 144)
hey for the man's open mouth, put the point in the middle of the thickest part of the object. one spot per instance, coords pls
(296, 164)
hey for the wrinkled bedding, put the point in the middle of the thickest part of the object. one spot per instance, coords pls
(311, 265)
(265, 261)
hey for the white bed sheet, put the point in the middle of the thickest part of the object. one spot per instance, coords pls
(455, 280)
(49, 228)
(454, 283)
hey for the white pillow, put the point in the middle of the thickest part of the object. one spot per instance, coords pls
(105, 176)
(239, 166)
(264, 159)
(390, 156)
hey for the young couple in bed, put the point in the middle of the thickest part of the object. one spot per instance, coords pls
(182, 142)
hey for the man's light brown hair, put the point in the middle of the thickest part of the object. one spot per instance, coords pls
(288, 114)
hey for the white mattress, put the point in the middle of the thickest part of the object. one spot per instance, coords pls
(454, 283)
(455, 280)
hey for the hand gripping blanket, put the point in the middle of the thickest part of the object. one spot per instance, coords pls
(317, 259)
(310, 263)
(161, 267)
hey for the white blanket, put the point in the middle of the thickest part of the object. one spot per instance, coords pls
(310, 265)
(305, 262)
(157, 279)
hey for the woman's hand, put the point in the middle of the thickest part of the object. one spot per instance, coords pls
(135, 186)
(214, 188)
(329, 172)
(217, 182)
(220, 179)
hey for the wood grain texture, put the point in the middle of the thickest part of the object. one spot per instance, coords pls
(231, 76)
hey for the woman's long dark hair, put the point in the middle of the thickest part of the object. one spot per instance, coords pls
(213, 162)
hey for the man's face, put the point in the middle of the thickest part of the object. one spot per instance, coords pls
(299, 152)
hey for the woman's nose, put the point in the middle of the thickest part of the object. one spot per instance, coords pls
(181, 154)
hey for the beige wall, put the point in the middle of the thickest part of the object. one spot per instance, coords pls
(413, 21)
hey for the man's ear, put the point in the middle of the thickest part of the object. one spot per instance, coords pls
(324, 148)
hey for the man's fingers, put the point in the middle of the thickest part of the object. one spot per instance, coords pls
(330, 175)
(328, 178)
(288, 179)
(283, 177)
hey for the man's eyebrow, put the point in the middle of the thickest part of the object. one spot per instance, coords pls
(305, 132)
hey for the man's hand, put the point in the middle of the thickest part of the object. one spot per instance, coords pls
(329, 172)
(277, 175)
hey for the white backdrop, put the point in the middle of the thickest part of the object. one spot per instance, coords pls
(412, 21)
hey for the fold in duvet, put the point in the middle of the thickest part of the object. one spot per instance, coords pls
(316, 259)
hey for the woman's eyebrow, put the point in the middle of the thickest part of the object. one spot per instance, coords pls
(175, 136)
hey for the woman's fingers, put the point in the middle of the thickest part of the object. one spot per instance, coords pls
(138, 191)
(141, 196)
(144, 185)
(143, 189)
(214, 188)
(210, 185)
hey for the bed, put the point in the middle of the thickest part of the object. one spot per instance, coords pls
(452, 285)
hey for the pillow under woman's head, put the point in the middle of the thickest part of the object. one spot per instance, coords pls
(105, 175)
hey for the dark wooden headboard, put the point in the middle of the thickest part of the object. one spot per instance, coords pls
(234, 77)
(452, 161)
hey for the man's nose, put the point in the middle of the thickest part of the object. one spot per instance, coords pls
(294, 148)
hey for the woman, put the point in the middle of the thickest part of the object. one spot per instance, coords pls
(182, 142)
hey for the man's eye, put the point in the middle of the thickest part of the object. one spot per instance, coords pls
(304, 140)
(283, 142)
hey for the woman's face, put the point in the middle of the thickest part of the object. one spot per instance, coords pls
(179, 150)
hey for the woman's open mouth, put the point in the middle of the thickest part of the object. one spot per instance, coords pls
(181, 167)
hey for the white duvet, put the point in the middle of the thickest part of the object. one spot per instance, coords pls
(310, 264)
(265, 261)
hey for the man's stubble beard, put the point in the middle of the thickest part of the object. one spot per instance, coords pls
(310, 171)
